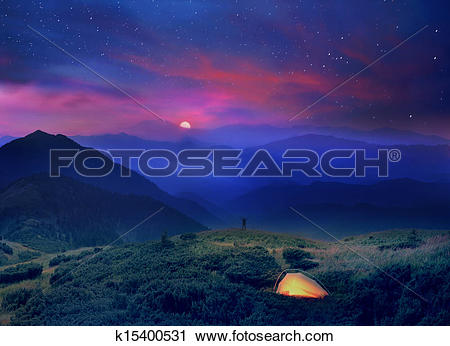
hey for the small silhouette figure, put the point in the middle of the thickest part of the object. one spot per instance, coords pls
(244, 224)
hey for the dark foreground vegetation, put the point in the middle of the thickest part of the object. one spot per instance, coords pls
(226, 278)
(20, 272)
(5, 248)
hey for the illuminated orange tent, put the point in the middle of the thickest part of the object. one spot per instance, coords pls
(300, 286)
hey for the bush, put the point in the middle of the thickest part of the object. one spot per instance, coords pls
(188, 236)
(83, 254)
(60, 259)
(21, 272)
(6, 248)
(254, 267)
(15, 299)
(62, 274)
(412, 241)
(28, 255)
(299, 259)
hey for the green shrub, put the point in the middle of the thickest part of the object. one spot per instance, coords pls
(15, 299)
(28, 255)
(60, 259)
(62, 274)
(299, 259)
(412, 241)
(6, 248)
(20, 272)
(188, 236)
(83, 254)
(254, 267)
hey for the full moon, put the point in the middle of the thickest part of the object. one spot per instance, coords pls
(185, 125)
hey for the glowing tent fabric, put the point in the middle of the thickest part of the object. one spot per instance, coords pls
(300, 286)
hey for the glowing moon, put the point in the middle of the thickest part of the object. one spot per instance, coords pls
(185, 125)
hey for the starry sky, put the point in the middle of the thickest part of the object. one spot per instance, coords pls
(216, 63)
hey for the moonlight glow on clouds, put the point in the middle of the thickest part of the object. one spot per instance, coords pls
(222, 63)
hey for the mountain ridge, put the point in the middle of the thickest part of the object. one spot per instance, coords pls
(30, 155)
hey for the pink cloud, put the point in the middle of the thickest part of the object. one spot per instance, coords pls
(246, 83)
(25, 108)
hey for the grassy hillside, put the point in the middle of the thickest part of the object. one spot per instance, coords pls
(51, 214)
(42, 282)
(226, 277)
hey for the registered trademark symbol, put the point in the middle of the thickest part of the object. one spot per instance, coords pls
(395, 155)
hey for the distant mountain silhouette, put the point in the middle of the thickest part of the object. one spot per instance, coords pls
(214, 208)
(242, 135)
(125, 141)
(255, 135)
(385, 136)
(5, 139)
(55, 213)
(30, 154)
(247, 135)
(420, 162)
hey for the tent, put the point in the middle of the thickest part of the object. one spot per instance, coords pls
(300, 286)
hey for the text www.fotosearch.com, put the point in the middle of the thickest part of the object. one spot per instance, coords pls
(293, 336)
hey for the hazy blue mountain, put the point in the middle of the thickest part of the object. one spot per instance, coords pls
(239, 135)
(386, 136)
(254, 135)
(242, 135)
(56, 213)
(125, 141)
(154, 133)
(230, 219)
(421, 162)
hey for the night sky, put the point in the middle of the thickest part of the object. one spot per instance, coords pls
(216, 63)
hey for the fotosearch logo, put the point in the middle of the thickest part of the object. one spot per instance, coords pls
(224, 162)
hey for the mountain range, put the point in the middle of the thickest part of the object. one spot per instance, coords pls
(245, 135)
(416, 195)
(125, 141)
(419, 161)
(30, 155)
